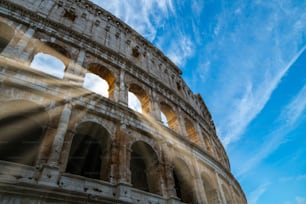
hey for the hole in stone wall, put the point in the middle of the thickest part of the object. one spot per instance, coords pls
(133, 102)
(104, 75)
(21, 131)
(143, 166)
(48, 64)
(138, 99)
(90, 152)
(170, 116)
(96, 84)
(191, 131)
(6, 34)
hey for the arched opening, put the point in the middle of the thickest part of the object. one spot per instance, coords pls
(52, 59)
(6, 34)
(96, 84)
(90, 152)
(211, 191)
(183, 182)
(207, 143)
(164, 119)
(171, 119)
(144, 168)
(191, 132)
(134, 103)
(100, 80)
(22, 127)
(48, 64)
(138, 99)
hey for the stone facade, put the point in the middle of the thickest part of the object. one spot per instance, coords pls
(62, 143)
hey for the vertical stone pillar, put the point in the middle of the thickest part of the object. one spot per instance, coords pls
(18, 49)
(60, 136)
(124, 154)
(201, 197)
(74, 71)
(155, 109)
(181, 123)
(114, 162)
(220, 189)
(123, 93)
(169, 189)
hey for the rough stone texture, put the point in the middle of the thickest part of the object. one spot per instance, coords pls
(182, 163)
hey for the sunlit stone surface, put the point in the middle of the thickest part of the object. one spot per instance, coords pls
(91, 112)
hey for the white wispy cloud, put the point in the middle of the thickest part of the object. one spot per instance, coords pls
(142, 15)
(253, 101)
(246, 63)
(300, 200)
(257, 193)
(151, 19)
(293, 178)
(180, 52)
(289, 118)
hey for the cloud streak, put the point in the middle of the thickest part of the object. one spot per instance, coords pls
(257, 193)
(155, 20)
(245, 58)
(290, 116)
(253, 101)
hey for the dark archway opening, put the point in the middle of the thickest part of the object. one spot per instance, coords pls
(183, 182)
(144, 168)
(84, 158)
(90, 152)
(6, 34)
(22, 126)
(138, 169)
(20, 140)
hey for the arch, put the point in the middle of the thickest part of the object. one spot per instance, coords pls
(96, 84)
(183, 182)
(192, 132)
(144, 168)
(89, 154)
(51, 58)
(142, 97)
(207, 142)
(6, 34)
(105, 76)
(22, 127)
(168, 112)
(210, 188)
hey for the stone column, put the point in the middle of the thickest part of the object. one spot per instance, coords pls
(123, 93)
(74, 71)
(114, 162)
(181, 123)
(124, 154)
(201, 197)
(60, 136)
(155, 109)
(18, 49)
(220, 189)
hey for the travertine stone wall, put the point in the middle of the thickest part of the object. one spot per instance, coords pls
(184, 162)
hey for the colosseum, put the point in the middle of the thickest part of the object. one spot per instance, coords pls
(65, 137)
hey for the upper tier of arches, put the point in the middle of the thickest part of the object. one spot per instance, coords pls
(59, 61)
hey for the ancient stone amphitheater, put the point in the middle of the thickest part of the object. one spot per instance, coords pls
(64, 141)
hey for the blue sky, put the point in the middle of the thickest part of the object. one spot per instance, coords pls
(248, 61)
